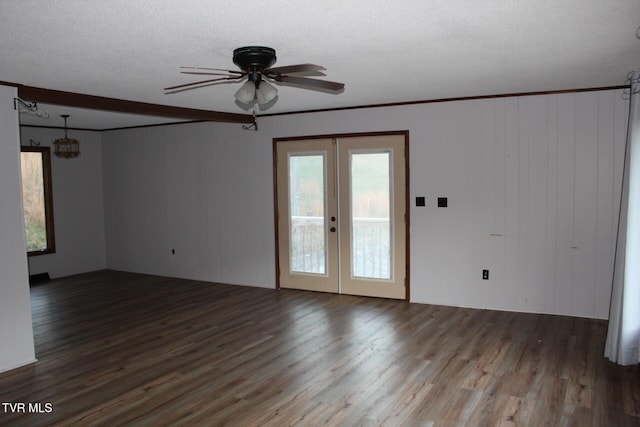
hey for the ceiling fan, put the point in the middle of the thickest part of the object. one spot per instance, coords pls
(255, 63)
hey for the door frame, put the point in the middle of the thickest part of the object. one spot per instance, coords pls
(404, 133)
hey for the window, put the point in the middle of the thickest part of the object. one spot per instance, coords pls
(37, 200)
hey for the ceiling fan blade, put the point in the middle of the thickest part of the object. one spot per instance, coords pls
(276, 76)
(293, 69)
(184, 89)
(212, 69)
(205, 73)
(202, 82)
(312, 83)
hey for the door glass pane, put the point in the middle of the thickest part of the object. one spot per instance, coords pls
(307, 213)
(370, 215)
(35, 219)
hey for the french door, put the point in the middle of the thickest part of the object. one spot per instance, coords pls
(341, 215)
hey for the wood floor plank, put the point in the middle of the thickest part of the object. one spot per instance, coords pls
(119, 348)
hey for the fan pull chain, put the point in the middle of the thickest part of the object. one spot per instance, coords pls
(254, 125)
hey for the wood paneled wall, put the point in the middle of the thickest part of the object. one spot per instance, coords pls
(533, 186)
(203, 191)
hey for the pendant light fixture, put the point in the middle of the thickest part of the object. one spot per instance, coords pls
(66, 147)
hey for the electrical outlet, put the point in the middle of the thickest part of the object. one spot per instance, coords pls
(420, 201)
(485, 274)
(442, 202)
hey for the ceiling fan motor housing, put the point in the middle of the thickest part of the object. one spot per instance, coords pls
(254, 57)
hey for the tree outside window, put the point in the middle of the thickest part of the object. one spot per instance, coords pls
(37, 200)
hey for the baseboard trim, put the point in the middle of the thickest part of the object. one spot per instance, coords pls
(11, 368)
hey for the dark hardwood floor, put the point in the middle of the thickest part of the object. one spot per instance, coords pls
(119, 349)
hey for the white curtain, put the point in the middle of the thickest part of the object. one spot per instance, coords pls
(623, 338)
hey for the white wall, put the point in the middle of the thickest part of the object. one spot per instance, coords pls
(16, 333)
(77, 204)
(543, 172)
(204, 190)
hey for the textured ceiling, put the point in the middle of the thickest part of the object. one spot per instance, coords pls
(383, 51)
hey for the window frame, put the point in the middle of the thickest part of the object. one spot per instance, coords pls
(48, 198)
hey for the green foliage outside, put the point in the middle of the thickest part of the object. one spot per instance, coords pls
(307, 185)
(36, 237)
(33, 201)
(369, 186)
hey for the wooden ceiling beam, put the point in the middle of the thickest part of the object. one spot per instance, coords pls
(79, 100)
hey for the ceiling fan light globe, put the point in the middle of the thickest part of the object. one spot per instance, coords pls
(246, 93)
(266, 92)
